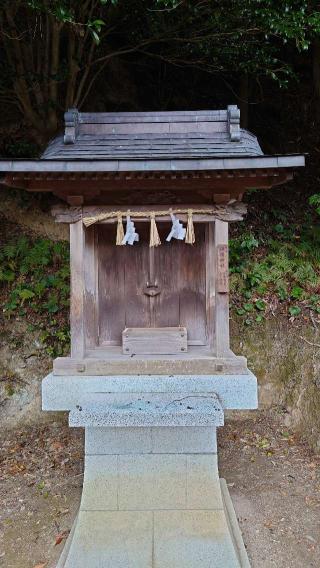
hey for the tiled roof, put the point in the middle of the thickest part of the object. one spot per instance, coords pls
(153, 136)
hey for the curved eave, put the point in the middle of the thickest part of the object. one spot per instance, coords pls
(176, 165)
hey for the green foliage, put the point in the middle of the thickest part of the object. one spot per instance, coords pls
(34, 280)
(240, 36)
(249, 242)
(315, 200)
(260, 305)
(56, 50)
(294, 311)
(284, 270)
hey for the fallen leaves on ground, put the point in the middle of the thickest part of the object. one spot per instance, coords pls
(35, 452)
(60, 537)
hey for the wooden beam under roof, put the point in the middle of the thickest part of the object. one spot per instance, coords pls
(104, 187)
(229, 212)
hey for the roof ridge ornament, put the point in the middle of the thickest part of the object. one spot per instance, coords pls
(234, 123)
(71, 122)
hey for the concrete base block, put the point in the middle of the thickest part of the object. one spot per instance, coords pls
(189, 410)
(160, 539)
(153, 508)
(151, 495)
(160, 440)
(65, 393)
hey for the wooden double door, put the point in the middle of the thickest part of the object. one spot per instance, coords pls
(141, 286)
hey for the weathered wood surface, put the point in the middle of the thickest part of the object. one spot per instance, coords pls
(221, 310)
(135, 187)
(123, 273)
(91, 297)
(110, 286)
(233, 212)
(111, 292)
(77, 305)
(187, 364)
(154, 341)
(66, 214)
(150, 122)
(189, 276)
(210, 285)
(153, 116)
(126, 275)
(222, 269)
(154, 127)
(49, 174)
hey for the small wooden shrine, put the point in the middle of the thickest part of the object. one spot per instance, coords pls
(148, 197)
(146, 307)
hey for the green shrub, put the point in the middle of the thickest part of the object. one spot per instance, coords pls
(283, 267)
(34, 280)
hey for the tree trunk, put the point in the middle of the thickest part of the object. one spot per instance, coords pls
(244, 100)
(53, 82)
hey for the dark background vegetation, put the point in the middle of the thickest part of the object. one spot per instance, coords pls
(112, 55)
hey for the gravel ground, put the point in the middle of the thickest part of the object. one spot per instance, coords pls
(273, 478)
(274, 482)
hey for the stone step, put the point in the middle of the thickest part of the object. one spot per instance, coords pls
(189, 410)
(156, 539)
(64, 393)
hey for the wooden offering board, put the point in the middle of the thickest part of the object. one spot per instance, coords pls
(154, 341)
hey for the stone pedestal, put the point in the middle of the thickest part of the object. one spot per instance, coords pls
(151, 497)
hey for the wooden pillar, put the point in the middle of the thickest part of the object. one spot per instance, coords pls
(210, 284)
(77, 289)
(221, 312)
(90, 291)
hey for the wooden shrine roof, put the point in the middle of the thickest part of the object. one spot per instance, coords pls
(153, 135)
(173, 141)
(156, 151)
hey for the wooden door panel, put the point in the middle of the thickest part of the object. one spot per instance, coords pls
(180, 269)
(111, 285)
(166, 304)
(192, 287)
(137, 304)
(123, 273)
